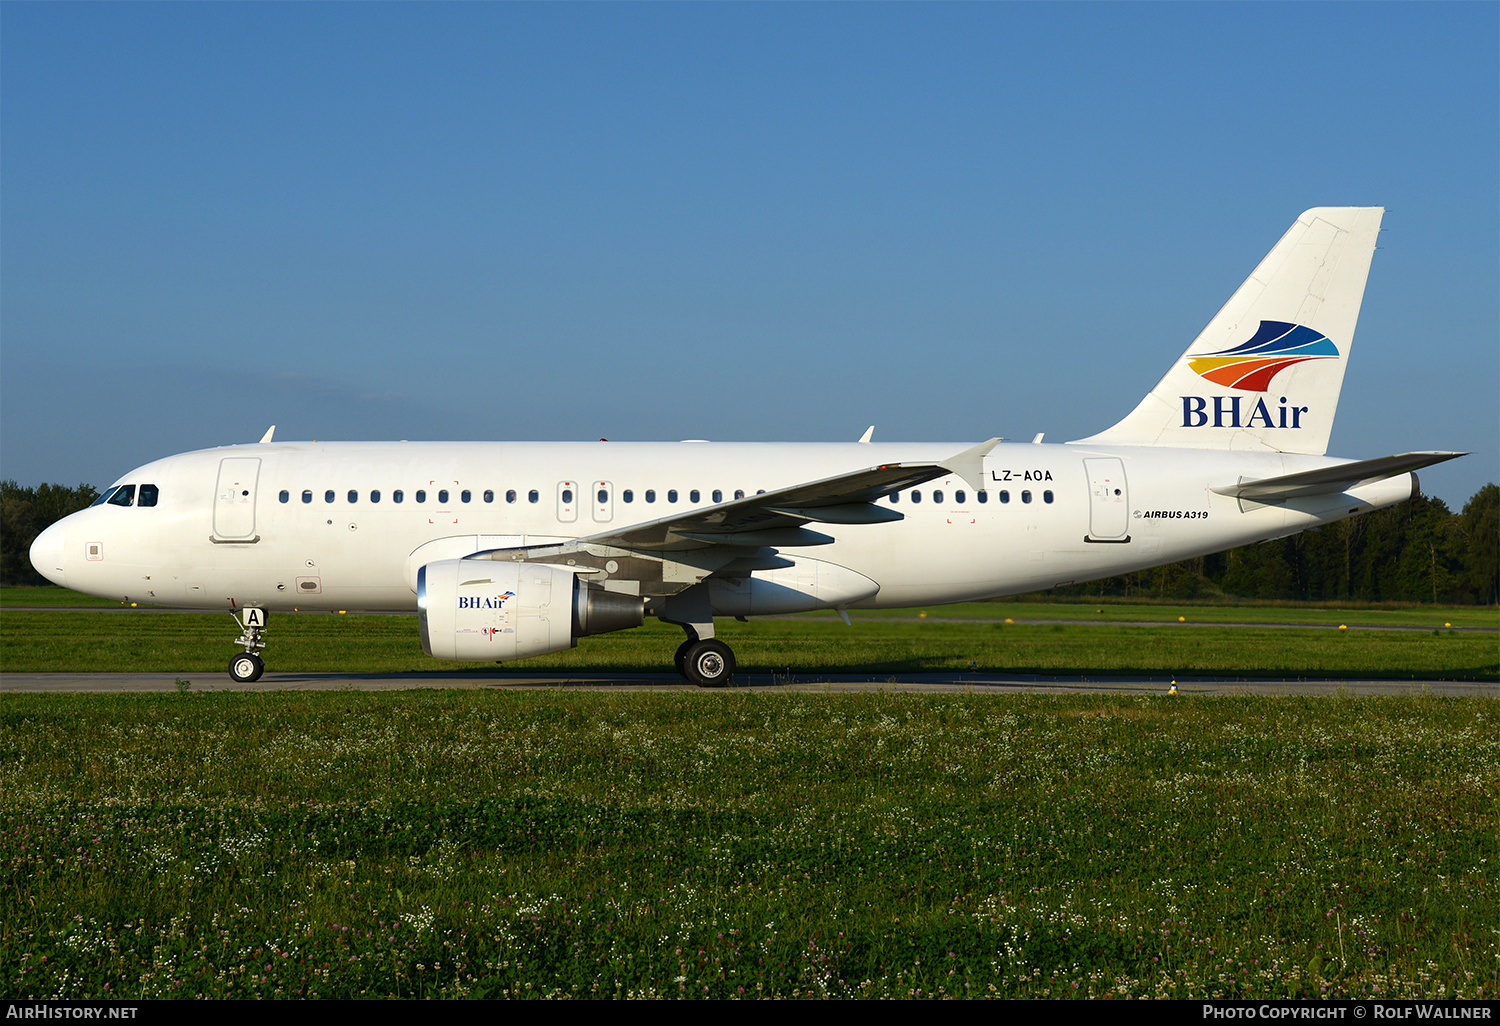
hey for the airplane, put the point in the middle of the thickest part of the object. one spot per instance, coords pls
(507, 549)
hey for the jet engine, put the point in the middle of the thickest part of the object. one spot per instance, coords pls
(478, 610)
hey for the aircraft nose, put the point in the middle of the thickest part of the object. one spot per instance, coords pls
(47, 554)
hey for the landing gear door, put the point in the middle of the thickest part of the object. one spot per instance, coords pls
(234, 499)
(1109, 500)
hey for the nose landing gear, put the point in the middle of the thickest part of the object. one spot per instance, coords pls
(247, 667)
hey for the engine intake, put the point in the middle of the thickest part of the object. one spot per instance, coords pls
(479, 610)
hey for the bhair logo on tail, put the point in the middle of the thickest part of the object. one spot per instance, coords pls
(1277, 330)
(1251, 365)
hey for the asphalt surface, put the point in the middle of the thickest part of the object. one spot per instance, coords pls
(935, 683)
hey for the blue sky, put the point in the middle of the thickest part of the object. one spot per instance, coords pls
(736, 221)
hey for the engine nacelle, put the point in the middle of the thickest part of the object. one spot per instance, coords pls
(476, 609)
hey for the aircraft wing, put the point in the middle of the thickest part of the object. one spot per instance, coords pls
(1329, 480)
(743, 535)
(765, 518)
(758, 519)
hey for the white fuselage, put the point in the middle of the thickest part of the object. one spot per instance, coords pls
(298, 525)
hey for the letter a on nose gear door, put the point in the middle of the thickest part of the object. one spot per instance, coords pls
(1109, 500)
(234, 499)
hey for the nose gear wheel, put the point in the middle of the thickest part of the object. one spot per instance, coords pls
(247, 667)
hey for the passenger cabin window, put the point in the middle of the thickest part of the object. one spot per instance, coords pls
(421, 495)
(123, 496)
(567, 495)
(984, 496)
(533, 495)
(650, 494)
(374, 494)
(671, 494)
(307, 495)
(510, 495)
(463, 496)
(739, 493)
(328, 495)
(442, 496)
(937, 496)
(1004, 495)
(693, 495)
(489, 495)
(285, 496)
(916, 496)
(398, 495)
(1026, 496)
(958, 496)
(718, 495)
(603, 496)
(628, 495)
(1047, 496)
(353, 496)
(895, 498)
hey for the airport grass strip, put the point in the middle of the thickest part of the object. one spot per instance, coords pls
(742, 844)
(1114, 610)
(138, 641)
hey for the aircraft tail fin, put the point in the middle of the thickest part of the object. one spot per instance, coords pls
(1266, 372)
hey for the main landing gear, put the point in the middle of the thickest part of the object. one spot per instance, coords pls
(708, 663)
(702, 659)
(247, 667)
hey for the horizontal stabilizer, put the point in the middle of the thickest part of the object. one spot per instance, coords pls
(1329, 480)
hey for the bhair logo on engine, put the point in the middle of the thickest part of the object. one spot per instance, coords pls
(1249, 367)
(484, 601)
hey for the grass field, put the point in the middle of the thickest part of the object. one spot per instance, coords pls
(720, 844)
(805, 646)
(1044, 638)
(50, 597)
(1050, 608)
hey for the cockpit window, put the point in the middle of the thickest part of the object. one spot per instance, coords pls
(123, 496)
(106, 496)
(148, 495)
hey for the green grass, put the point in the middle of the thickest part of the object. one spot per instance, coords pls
(450, 844)
(47, 596)
(1155, 612)
(148, 641)
(1051, 608)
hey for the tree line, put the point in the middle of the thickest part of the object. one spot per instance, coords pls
(1415, 551)
(26, 513)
